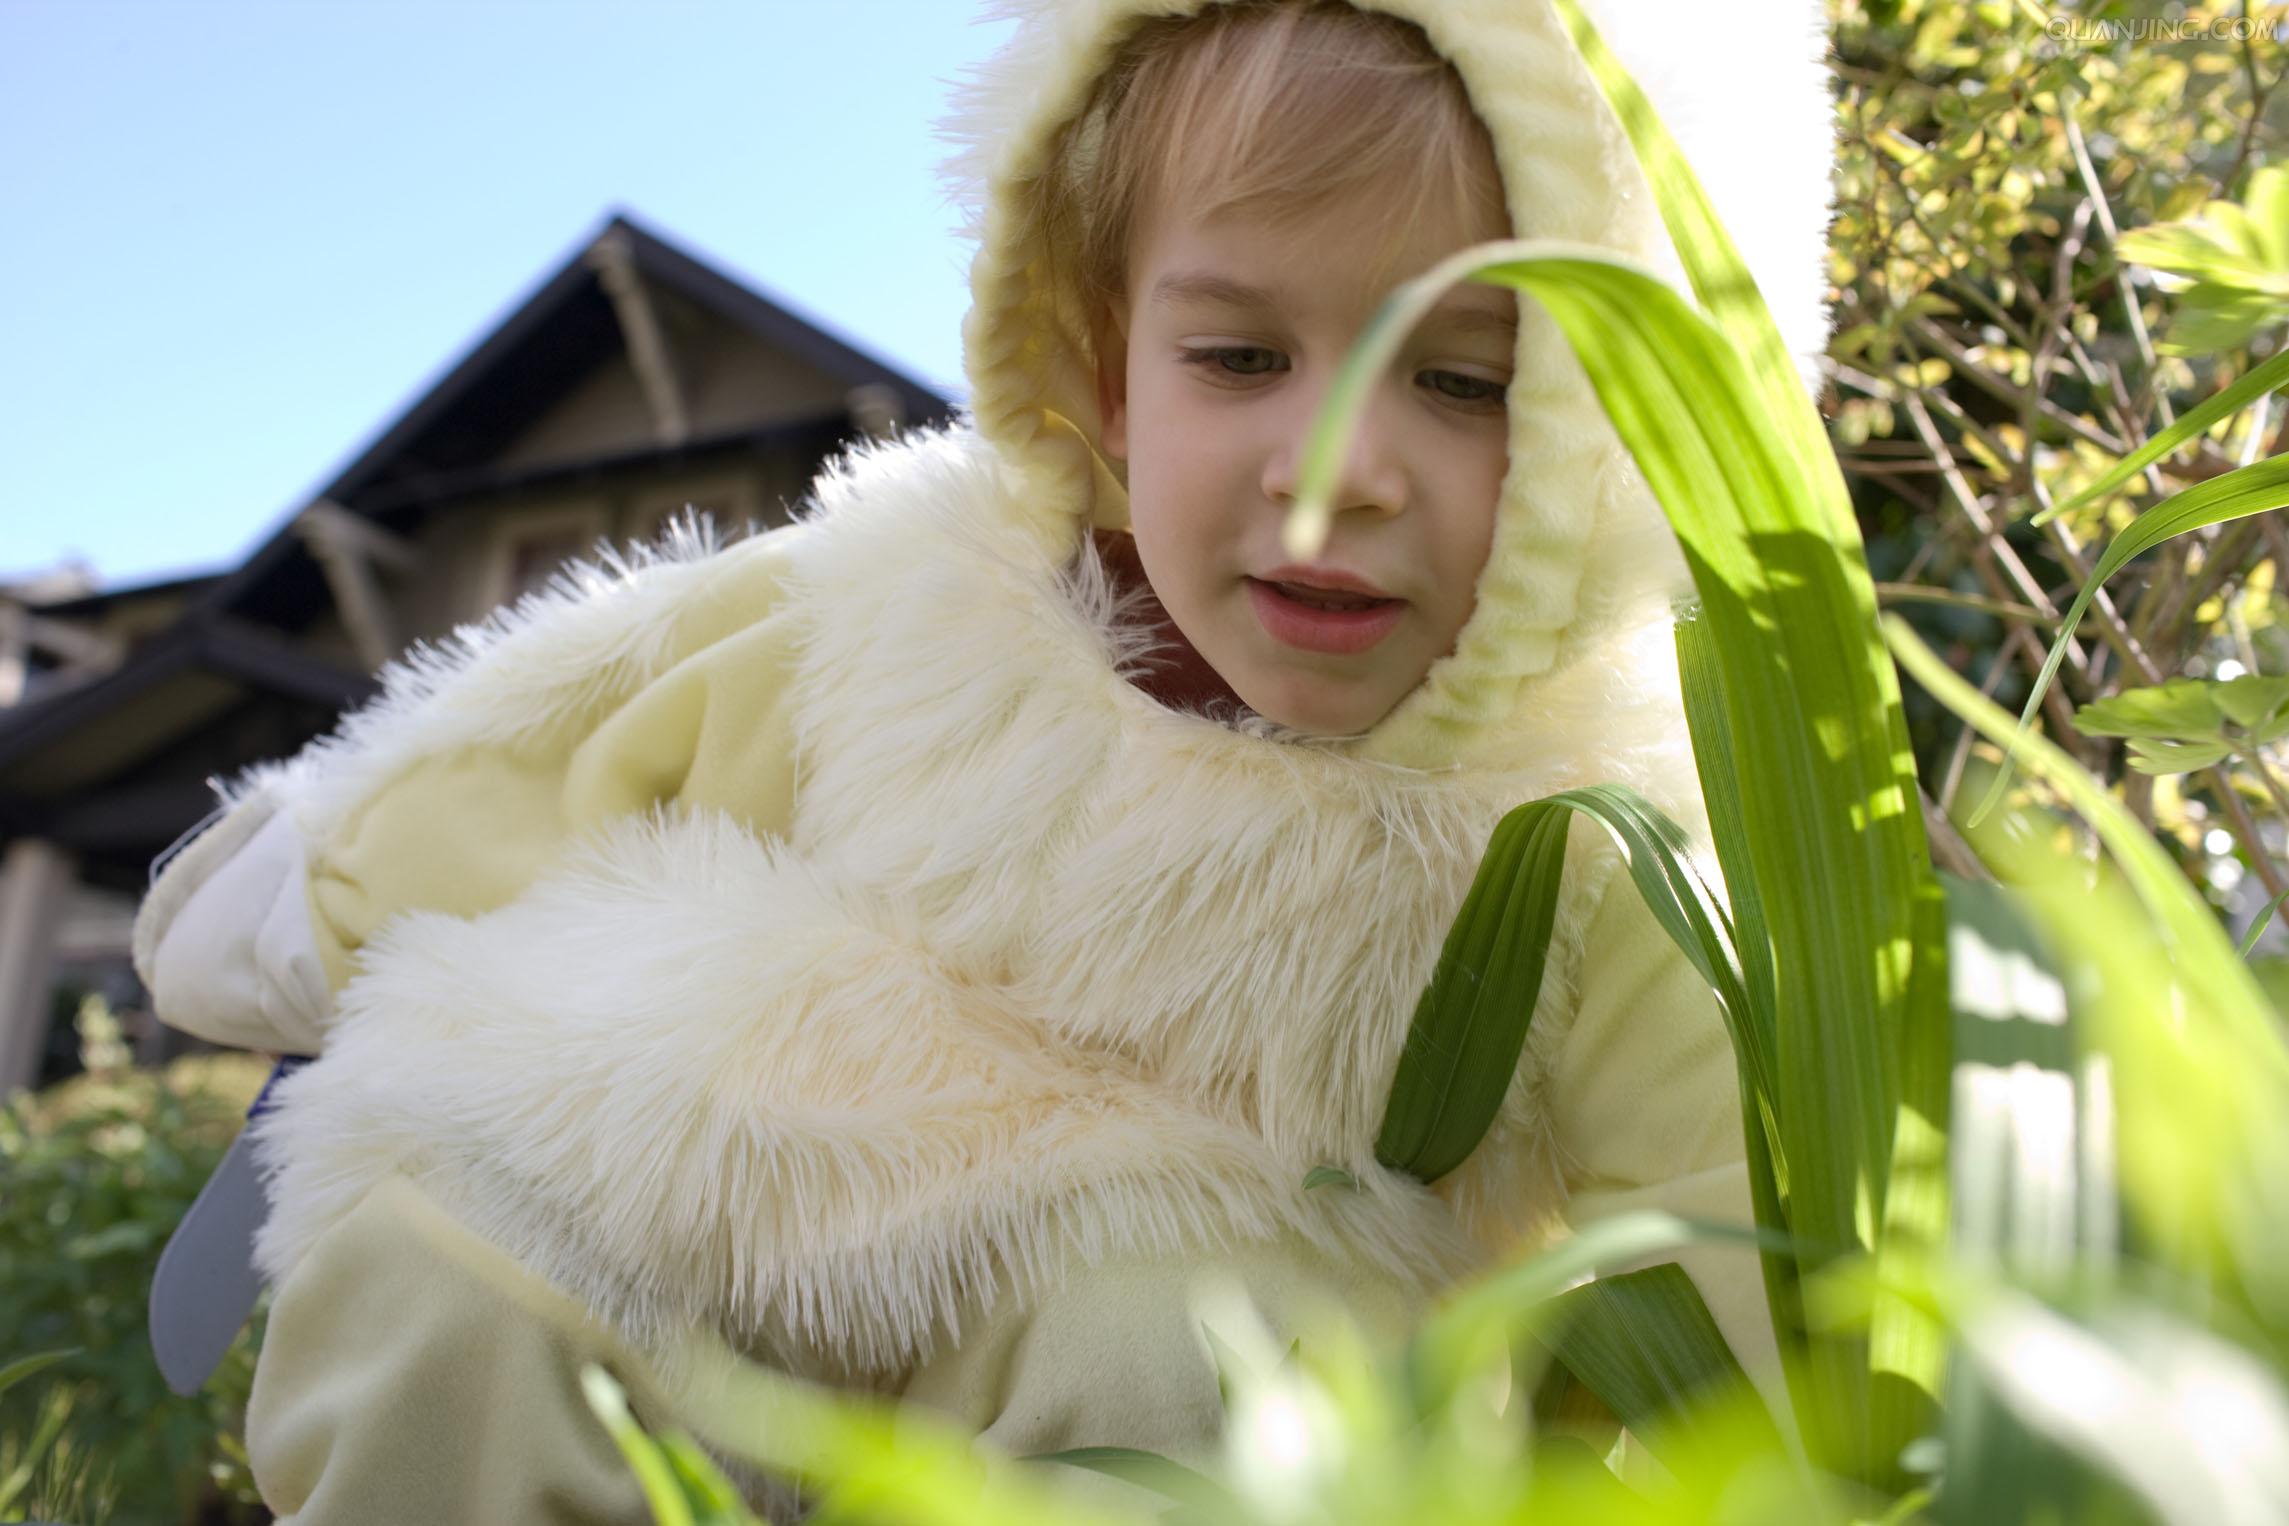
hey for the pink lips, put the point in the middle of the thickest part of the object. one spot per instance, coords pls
(1338, 631)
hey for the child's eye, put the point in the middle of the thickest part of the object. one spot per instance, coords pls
(1235, 360)
(1467, 389)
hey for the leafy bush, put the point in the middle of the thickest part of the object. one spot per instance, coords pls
(94, 1175)
(2055, 233)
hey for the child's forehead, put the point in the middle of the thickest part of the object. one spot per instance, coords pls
(1358, 239)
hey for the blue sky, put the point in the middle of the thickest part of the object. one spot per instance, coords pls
(240, 238)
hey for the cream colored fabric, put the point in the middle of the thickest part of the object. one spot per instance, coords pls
(413, 1373)
(233, 953)
(245, 935)
(1116, 1355)
(1648, 1115)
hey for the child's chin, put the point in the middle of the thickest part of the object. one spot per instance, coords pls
(1293, 706)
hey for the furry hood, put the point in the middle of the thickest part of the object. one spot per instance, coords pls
(1581, 550)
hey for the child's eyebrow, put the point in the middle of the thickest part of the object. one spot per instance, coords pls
(1204, 286)
(1455, 313)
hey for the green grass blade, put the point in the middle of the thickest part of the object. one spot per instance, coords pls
(1915, 1193)
(25, 1367)
(862, 1456)
(714, 1501)
(1715, 762)
(1834, 832)
(1905, 1341)
(655, 1476)
(1471, 1023)
(2257, 927)
(2253, 489)
(1646, 1344)
(1482, 1319)
(1473, 1019)
(2261, 380)
(1907, 1348)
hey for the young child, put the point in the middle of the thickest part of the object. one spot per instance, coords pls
(903, 946)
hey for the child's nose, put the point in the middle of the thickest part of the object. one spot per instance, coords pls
(1373, 474)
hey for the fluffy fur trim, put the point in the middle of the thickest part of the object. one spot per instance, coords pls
(690, 1081)
(551, 662)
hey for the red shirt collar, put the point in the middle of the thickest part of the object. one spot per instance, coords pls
(1177, 675)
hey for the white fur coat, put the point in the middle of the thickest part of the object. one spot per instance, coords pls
(1038, 968)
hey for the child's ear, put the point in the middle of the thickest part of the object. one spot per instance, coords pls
(1112, 388)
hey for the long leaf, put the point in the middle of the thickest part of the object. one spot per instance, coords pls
(1470, 1025)
(2252, 489)
(1472, 1020)
(2258, 382)
(1720, 279)
(663, 1495)
(24, 1367)
(1484, 1317)
(1715, 760)
(1833, 831)
(1905, 1345)
(1646, 1344)
(1702, 686)
(872, 1458)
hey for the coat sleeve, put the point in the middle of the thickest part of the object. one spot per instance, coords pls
(1647, 1113)
(413, 1372)
(463, 781)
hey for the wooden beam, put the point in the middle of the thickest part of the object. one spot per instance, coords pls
(338, 542)
(613, 257)
(15, 651)
(376, 544)
(35, 876)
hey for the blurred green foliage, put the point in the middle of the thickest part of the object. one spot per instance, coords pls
(94, 1175)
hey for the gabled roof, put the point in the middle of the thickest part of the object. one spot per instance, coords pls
(110, 763)
(82, 605)
(527, 363)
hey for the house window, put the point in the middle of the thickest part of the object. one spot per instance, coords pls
(527, 548)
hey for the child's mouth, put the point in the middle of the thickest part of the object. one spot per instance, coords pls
(1318, 620)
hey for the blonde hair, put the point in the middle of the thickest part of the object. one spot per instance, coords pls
(1277, 105)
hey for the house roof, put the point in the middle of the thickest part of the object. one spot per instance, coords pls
(525, 364)
(82, 605)
(109, 761)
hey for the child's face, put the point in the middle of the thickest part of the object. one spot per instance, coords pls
(1232, 333)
